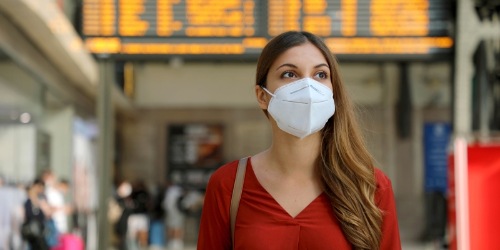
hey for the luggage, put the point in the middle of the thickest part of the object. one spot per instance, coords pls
(70, 242)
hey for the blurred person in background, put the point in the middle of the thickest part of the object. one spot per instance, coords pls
(138, 221)
(114, 213)
(36, 211)
(191, 202)
(55, 199)
(180, 203)
(125, 208)
(61, 209)
(157, 239)
(175, 218)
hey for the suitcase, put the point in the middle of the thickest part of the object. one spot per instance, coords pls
(69, 242)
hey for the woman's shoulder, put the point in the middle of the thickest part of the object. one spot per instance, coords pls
(384, 194)
(223, 177)
(383, 182)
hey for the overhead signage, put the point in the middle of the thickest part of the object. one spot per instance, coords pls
(243, 27)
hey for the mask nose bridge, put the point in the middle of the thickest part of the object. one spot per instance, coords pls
(302, 88)
(304, 83)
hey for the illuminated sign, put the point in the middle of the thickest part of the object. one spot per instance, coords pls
(243, 27)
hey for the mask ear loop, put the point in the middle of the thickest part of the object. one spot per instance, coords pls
(264, 88)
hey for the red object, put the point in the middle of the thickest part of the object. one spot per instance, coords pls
(70, 242)
(263, 224)
(452, 212)
(484, 205)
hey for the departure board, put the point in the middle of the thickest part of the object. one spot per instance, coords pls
(243, 27)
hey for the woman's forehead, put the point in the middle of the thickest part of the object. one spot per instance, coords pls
(302, 55)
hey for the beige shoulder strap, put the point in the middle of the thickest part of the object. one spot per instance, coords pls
(237, 189)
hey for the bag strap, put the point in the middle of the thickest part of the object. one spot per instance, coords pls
(236, 196)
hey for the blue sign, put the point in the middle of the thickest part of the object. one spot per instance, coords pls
(436, 141)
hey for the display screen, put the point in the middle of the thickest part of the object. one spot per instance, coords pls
(243, 27)
(195, 150)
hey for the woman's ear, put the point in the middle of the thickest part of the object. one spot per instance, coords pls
(262, 97)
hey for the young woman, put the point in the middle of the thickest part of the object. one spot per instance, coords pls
(316, 186)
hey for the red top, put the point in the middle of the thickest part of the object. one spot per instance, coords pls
(263, 224)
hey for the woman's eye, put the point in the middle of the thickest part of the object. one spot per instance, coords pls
(288, 74)
(321, 75)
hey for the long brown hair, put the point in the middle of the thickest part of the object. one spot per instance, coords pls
(345, 164)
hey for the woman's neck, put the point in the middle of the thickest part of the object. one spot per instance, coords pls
(292, 156)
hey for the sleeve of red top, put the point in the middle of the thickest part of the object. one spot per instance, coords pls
(385, 201)
(215, 229)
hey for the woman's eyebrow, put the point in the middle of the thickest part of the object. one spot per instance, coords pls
(321, 65)
(287, 64)
(293, 66)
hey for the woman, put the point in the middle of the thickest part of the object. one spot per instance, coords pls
(315, 187)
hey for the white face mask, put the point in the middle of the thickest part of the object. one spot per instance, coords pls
(301, 107)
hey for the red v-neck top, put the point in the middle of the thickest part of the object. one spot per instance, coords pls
(262, 223)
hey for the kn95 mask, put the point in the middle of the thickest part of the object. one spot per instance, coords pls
(301, 107)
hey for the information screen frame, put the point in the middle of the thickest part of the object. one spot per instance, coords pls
(203, 29)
